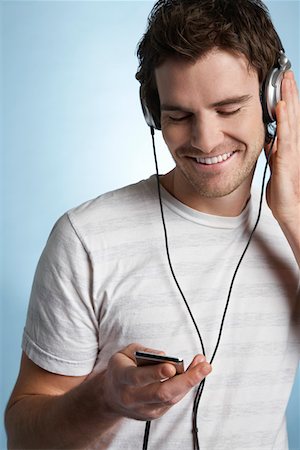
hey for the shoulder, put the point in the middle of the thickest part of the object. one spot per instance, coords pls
(115, 202)
(111, 212)
(114, 206)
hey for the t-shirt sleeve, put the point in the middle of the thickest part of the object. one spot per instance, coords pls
(61, 331)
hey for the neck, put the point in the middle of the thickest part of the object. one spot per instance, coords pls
(230, 205)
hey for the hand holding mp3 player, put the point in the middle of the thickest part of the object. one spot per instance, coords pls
(146, 359)
(137, 392)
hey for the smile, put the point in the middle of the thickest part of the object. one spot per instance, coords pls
(215, 159)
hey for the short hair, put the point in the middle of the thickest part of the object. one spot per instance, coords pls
(189, 29)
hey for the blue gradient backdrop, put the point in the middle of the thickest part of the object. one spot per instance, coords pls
(71, 128)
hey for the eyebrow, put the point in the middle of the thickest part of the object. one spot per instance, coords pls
(227, 101)
(233, 100)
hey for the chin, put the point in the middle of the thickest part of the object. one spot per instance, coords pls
(237, 186)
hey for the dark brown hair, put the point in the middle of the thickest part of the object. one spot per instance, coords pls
(189, 29)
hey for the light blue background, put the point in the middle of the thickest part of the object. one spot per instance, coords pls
(71, 128)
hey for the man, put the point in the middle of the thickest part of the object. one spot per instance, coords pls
(103, 287)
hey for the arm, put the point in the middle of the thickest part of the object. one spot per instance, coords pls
(54, 411)
(50, 411)
(283, 191)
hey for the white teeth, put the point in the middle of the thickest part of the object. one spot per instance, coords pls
(214, 159)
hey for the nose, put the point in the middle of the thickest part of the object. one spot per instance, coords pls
(206, 134)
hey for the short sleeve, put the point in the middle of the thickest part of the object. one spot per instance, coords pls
(61, 331)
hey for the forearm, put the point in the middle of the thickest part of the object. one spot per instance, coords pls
(69, 421)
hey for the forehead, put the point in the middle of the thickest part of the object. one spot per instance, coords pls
(217, 75)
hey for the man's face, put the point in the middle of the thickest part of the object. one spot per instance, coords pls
(211, 120)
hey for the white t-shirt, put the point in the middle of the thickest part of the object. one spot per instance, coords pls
(103, 282)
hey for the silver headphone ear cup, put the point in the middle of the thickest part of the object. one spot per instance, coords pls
(272, 93)
(272, 87)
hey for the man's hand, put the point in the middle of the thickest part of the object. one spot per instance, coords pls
(283, 190)
(88, 407)
(148, 392)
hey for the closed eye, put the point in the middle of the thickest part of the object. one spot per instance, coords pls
(221, 113)
(229, 113)
(180, 119)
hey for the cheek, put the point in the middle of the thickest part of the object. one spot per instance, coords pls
(175, 136)
(250, 127)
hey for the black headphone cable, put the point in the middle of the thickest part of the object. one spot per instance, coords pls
(201, 385)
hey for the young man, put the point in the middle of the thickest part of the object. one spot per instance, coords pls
(103, 287)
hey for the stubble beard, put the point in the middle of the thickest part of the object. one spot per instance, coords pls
(211, 185)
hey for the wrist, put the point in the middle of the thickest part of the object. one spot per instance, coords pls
(91, 401)
(291, 232)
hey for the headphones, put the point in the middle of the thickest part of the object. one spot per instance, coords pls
(270, 94)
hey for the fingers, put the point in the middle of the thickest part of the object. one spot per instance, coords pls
(290, 79)
(288, 117)
(147, 374)
(283, 187)
(180, 385)
(143, 376)
(127, 370)
(288, 123)
(196, 360)
(130, 350)
(147, 392)
(174, 389)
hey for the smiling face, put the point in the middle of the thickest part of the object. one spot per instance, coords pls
(211, 121)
